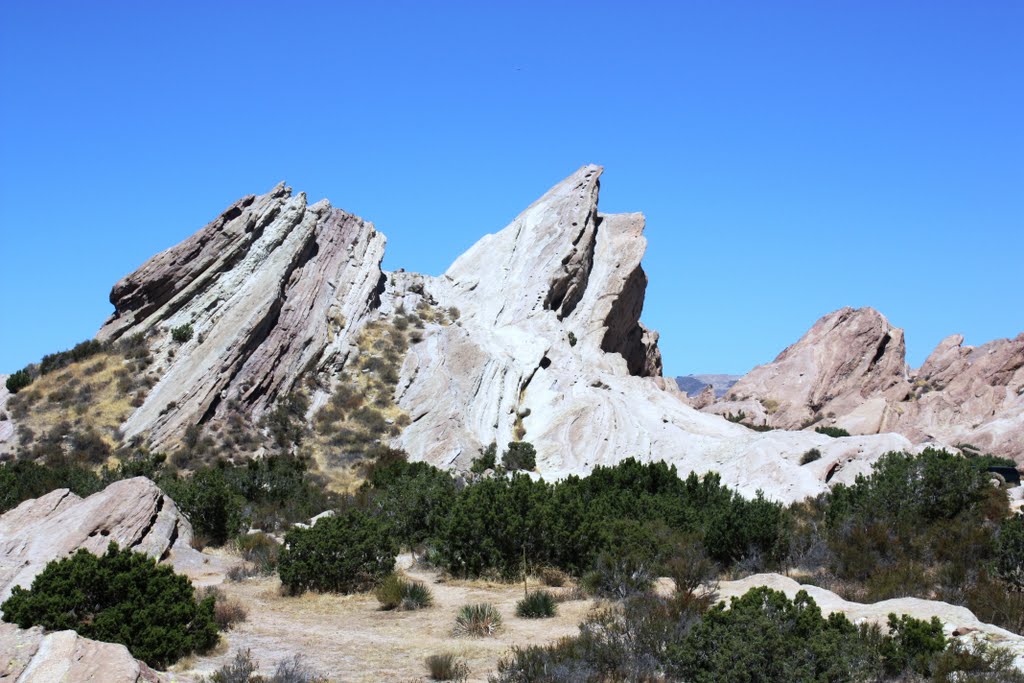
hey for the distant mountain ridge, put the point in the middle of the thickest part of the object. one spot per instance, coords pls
(694, 384)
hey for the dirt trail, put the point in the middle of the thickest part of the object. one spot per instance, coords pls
(349, 638)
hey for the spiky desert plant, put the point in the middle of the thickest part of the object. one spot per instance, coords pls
(480, 620)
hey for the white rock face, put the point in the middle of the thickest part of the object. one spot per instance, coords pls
(133, 512)
(953, 617)
(560, 272)
(30, 656)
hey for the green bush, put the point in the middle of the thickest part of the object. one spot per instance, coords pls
(537, 605)
(394, 592)
(182, 333)
(209, 502)
(478, 620)
(1010, 551)
(446, 667)
(349, 552)
(18, 381)
(487, 460)
(119, 597)
(261, 550)
(810, 456)
(834, 432)
(21, 480)
(519, 456)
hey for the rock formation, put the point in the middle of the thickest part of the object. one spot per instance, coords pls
(694, 384)
(132, 512)
(270, 288)
(30, 656)
(850, 370)
(547, 344)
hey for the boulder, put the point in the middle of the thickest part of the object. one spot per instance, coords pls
(32, 656)
(135, 513)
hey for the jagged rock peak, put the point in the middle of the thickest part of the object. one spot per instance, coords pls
(562, 259)
(270, 288)
(846, 356)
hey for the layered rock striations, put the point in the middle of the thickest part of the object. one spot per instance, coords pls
(850, 371)
(548, 347)
(270, 289)
(134, 513)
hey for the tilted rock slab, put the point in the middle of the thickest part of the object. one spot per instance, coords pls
(849, 370)
(134, 513)
(271, 288)
(32, 656)
(549, 343)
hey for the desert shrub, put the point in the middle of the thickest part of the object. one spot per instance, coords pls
(18, 381)
(279, 489)
(834, 432)
(119, 597)
(226, 612)
(519, 456)
(209, 502)
(61, 359)
(572, 339)
(287, 421)
(616, 578)
(810, 456)
(346, 553)
(21, 480)
(479, 620)
(413, 498)
(537, 605)
(764, 636)
(974, 663)
(395, 592)
(1010, 551)
(182, 333)
(446, 667)
(553, 577)
(487, 460)
(241, 669)
(260, 550)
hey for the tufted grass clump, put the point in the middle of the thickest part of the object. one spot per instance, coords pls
(479, 621)
(394, 592)
(446, 667)
(537, 605)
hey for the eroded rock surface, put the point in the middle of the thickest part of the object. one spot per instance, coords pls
(31, 656)
(271, 288)
(850, 371)
(134, 513)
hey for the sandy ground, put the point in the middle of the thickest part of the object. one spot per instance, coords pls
(349, 638)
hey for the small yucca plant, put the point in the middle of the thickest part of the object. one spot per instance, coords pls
(478, 620)
(397, 593)
(537, 605)
(446, 667)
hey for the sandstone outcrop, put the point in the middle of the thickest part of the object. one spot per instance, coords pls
(546, 343)
(850, 371)
(270, 288)
(548, 347)
(135, 513)
(30, 656)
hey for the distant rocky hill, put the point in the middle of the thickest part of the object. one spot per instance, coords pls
(850, 371)
(692, 385)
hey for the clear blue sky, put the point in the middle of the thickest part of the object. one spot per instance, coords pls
(791, 157)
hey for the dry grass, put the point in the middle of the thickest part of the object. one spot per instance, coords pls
(105, 409)
(352, 639)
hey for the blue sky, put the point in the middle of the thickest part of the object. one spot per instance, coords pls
(791, 157)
